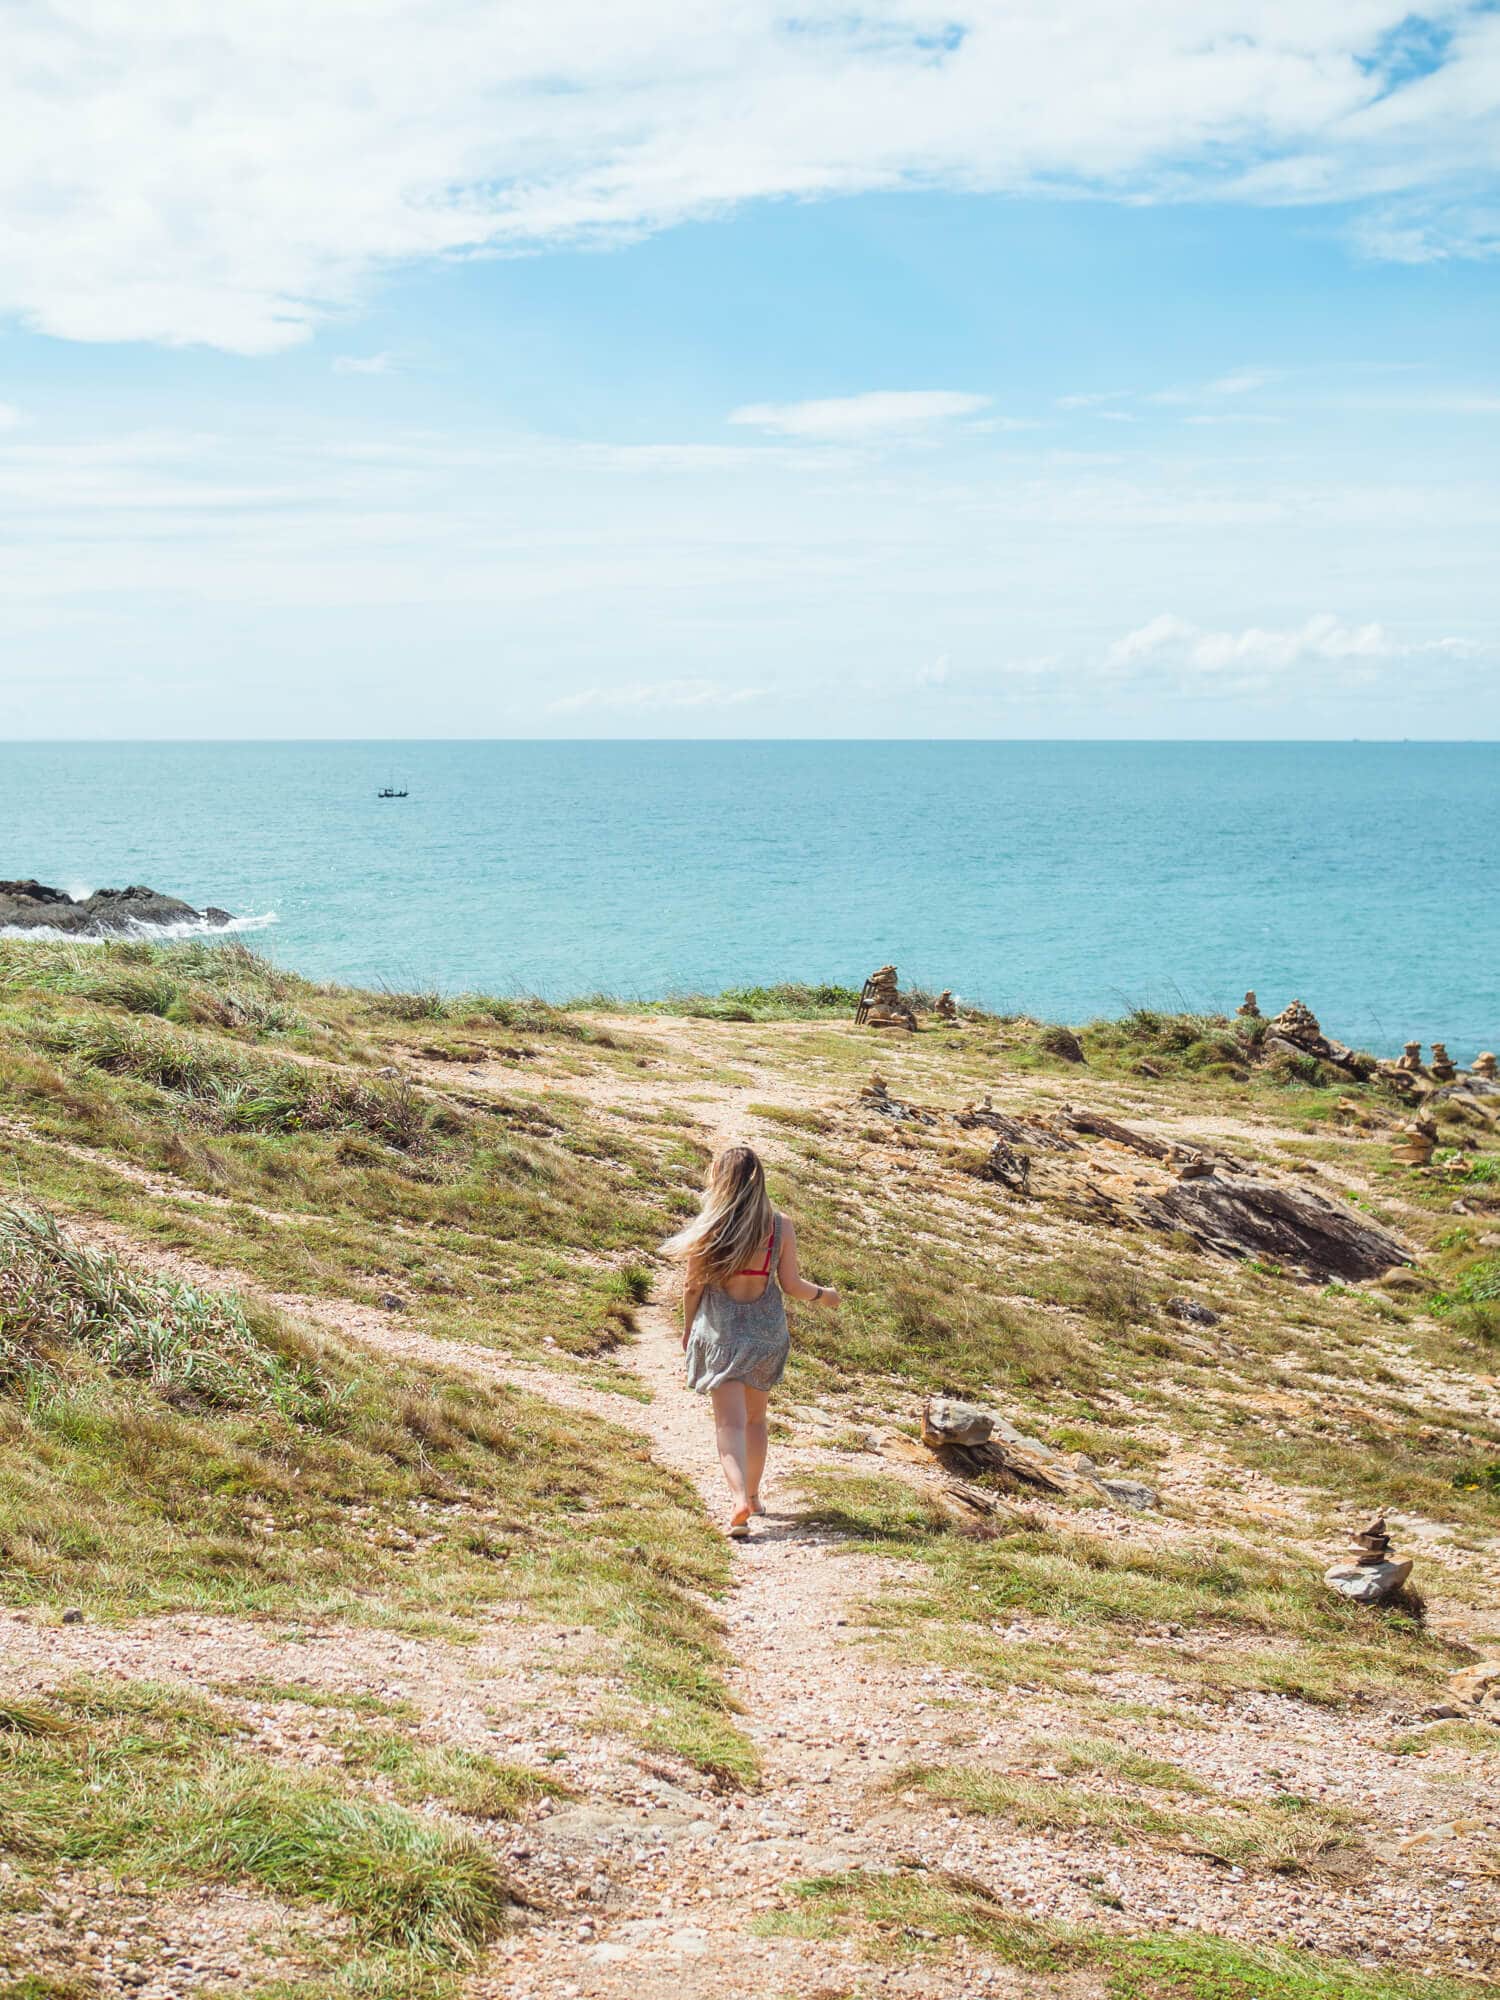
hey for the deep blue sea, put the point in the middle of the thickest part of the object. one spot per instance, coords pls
(1064, 879)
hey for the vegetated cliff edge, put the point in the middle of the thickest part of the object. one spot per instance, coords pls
(365, 1467)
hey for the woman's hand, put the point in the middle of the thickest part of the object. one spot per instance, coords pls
(830, 1299)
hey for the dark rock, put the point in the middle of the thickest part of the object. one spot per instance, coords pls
(390, 1303)
(1132, 1493)
(1241, 1215)
(1190, 1312)
(1004, 1164)
(32, 905)
(1062, 1042)
(72, 1616)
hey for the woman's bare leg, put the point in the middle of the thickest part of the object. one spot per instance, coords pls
(756, 1440)
(729, 1429)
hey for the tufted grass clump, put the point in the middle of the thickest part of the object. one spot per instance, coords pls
(147, 1777)
(62, 1303)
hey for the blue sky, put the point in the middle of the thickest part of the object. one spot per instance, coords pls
(674, 370)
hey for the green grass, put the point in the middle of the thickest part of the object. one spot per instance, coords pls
(910, 1913)
(287, 1475)
(1246, 1619)
(466, 1781)
(150, 1781)
(1284, 1835)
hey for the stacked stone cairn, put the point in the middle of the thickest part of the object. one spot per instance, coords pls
(1411, 1058)
(1444, 1069)
(1484, 1065)
(1374, 1576)
(1417, 1144)
(881, 1005)
(944, 1007)
(1249, 1007)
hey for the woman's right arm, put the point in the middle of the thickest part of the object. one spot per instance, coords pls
(789, 1275)
(691, 1294)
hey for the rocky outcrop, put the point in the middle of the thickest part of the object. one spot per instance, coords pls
(1245, 1215)
(1295, 1032)
(32, 905)
(975, 1443)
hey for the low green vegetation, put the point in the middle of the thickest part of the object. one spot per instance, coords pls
(257, 1120)
(908, 1912)
(164, 1448)
(1283, 1834)
(150, 1779)
(1237, 1617)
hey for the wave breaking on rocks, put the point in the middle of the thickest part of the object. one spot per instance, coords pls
(31, 908)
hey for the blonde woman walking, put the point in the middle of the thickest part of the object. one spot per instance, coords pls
(739, 1257)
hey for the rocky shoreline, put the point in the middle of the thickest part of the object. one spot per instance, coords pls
(31, 905)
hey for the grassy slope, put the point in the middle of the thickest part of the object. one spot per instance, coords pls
(347, 1145)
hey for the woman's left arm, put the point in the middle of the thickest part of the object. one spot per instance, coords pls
(789, 1275)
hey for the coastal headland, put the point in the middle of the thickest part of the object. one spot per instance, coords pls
(367, 1623)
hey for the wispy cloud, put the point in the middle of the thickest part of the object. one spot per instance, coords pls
(364, 364)
(10, 417)
(881, 413)
(452, 130)
(1243, 382)
(678, 694)
(1321, 639)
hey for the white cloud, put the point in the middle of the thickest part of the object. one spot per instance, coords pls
(1244, 382)
(852, 419)
(679, 694)
(238, 176)
(1321, 640)
(10, 416)
(363, 364)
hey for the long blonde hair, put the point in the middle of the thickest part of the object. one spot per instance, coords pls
(730, 1229)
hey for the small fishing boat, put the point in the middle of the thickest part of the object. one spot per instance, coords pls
(392, 792)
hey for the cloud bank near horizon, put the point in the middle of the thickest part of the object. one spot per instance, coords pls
(239, 179)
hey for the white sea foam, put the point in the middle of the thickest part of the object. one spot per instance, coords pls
(185, 927)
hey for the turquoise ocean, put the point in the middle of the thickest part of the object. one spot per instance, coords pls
(1061, 879)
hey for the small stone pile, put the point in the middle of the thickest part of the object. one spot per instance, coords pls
(1484, 1065)
(944, 1007)
(1249, 1007)
(1411, 1058)
(1374, 1576)
(1417, 1143)
(1444, 1069)
(1297, 1023)
(881, 1005)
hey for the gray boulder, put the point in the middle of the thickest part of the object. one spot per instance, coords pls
(32, 905)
